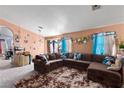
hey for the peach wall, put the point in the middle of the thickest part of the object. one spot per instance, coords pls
(118, 28)
(36, 47)
(33, 45)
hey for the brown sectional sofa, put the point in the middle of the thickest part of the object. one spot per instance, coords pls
(96, 71)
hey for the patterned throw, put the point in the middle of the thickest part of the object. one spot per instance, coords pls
(63, 77)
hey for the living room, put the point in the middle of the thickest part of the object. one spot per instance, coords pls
(53, 46)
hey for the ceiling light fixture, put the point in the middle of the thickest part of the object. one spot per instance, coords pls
(95, 7)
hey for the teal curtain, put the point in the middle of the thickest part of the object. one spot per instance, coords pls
(63, 46)
(94, 40)
(98, 44)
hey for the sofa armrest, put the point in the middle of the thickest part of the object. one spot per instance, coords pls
(38, 61)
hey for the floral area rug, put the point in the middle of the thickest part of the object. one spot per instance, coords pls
(63, 77)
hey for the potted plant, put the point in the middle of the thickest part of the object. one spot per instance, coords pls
(121, 46)
(84, 40)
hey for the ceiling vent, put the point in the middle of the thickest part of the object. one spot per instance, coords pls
(96, 7)
(40, 28)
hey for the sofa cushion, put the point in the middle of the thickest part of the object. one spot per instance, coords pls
(68, 55)
(52, 56)
(71, 55)
(82, 65)
(58, 55)
(79, 61)
(37, 56)
(98, 58)
(86, 57)
(85, 62)
(41, 57)
(69, 60)
(39, 61)
(54, 64)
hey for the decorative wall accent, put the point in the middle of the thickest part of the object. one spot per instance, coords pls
(86, 39)
(40, 40)
(81, 40)
(26, 38)
(17, 38)
(28, 35)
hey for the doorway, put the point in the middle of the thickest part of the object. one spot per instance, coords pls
(6, 41)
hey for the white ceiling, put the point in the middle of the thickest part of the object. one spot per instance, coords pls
(61, 19)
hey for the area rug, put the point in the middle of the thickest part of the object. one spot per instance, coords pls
(63, 77)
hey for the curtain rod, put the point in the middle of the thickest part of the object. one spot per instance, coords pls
(107, 33)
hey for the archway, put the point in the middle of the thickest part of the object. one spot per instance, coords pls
(6, 40)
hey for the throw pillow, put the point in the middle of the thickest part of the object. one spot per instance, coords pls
(78, 56)
(75, 56)
(67, 55)
(108, 60)
(63, 56)
(47, 56)
(44, 56)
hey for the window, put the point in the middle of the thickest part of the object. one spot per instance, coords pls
(65, 45)
(52, 46)
(104, 43)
